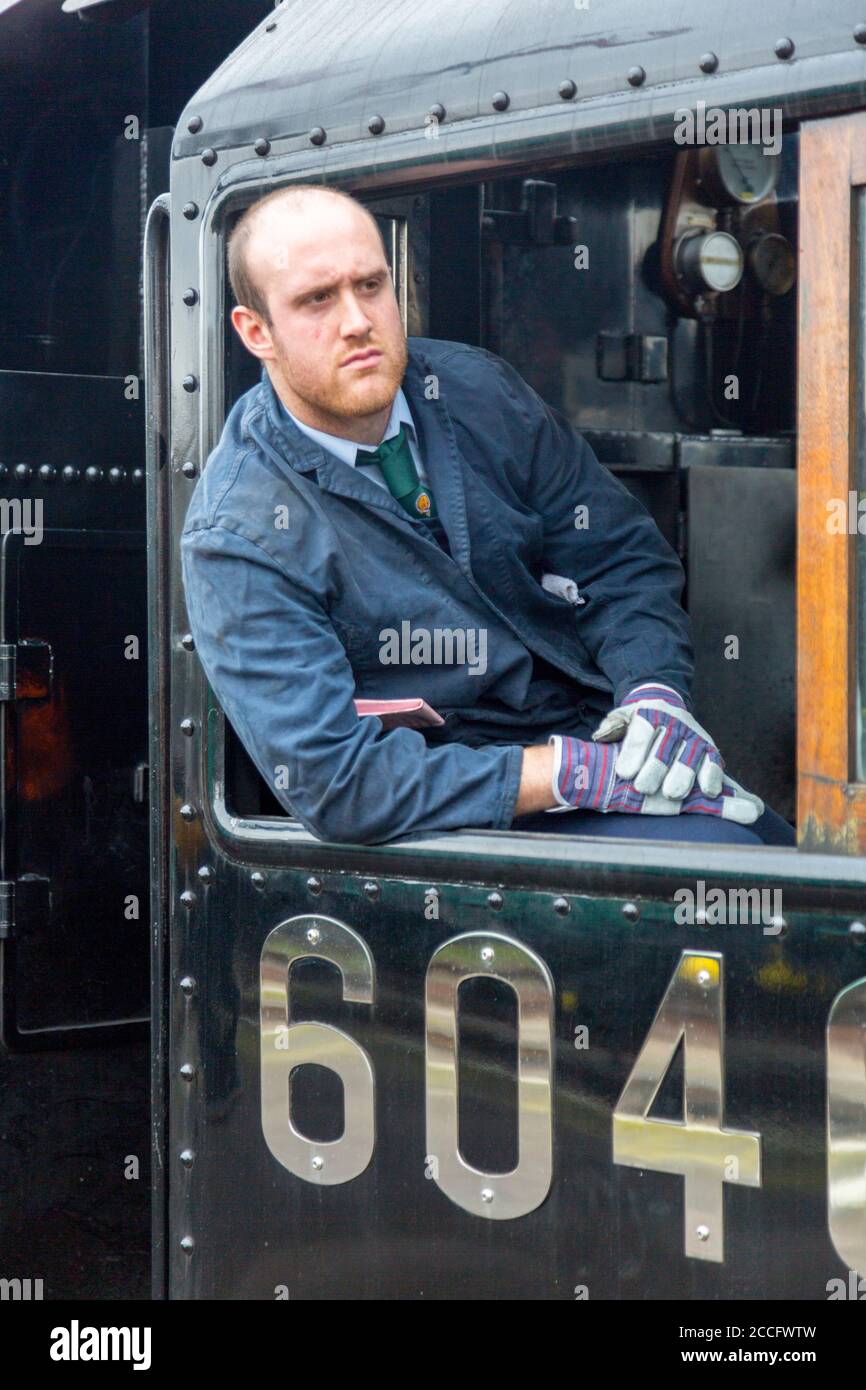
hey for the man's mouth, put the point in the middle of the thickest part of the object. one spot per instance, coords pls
(365, 358)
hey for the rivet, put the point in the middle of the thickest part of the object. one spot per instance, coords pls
(187, 1071)
(372, 890)
(4, 470)
(860, 33)
(487, 1194)
(189, 470)
(487, 954)
(23, 472)
(709, 62)
(93, 474)
(71, 474)
(630, 911)
(47, 473)
(703, 977)
(187, 985)
(187, 812)
(262, 146)
(777, 926)
(314, 936)
(138, 475)
(702, 1232)
(701, 918)
(187, 897)
(257, 878)
(190, 211)
(317, 1163)
(567, 89)
(187, 726)
(783, 48)
(501, 101)
(187, 1157)
(376, 125)
(437, 111)
(636, 76)
(194, 125)
(190, 296)
(116, 475)
(495, 900)
(314, 884)
(205, 873)
(317, 135)
(190, 383)
(188, 642)
(561, 906)
(187, 1245)
(858, 931)
(208, 156)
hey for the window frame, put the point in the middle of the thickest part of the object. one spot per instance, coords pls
(506, 853)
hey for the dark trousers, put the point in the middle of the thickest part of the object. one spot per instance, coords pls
(768, 829)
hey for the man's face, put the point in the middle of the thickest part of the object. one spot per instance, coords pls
(335, 348)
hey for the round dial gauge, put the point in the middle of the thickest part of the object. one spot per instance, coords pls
(709, 261)
(745, 173)
(771, 258)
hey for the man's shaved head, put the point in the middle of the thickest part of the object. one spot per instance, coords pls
(246, 275)
(316, 304)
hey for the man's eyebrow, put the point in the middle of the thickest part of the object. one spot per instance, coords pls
(331, 284)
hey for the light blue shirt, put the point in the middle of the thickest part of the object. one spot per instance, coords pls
(346, 449)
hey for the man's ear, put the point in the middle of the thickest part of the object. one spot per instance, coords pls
(253, 332)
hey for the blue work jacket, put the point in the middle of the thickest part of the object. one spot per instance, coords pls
(295, 565)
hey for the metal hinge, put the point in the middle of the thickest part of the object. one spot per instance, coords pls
(7, 909)
(25, 904)
(25, 670)
(8, 663)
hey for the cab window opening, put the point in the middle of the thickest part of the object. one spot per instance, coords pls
(653, 304)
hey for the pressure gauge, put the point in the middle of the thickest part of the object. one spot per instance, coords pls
(709, 261)
(771, 259)
(739, 174)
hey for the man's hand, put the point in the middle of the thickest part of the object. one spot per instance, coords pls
(664, 749)
(586, 778)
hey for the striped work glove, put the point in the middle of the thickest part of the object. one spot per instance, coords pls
(664, 749)
(585, 778)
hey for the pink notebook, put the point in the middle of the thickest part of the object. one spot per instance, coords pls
(406, 714)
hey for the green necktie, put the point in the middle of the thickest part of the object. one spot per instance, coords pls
(394, 457)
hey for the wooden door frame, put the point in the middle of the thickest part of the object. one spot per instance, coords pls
(831, 805)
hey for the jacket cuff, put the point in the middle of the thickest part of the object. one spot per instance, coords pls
(625, 688)
(508, 800)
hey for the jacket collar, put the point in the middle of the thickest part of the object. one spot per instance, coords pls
(275, 430)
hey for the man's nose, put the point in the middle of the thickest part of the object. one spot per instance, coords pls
(354, 320)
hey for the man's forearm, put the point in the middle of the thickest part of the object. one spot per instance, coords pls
(536, 777)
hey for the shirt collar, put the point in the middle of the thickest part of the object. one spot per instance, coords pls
(346, 449)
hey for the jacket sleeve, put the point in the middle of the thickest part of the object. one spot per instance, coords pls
(291, 704)
(632, 624)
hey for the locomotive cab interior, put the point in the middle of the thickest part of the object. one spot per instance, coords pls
(652, 300)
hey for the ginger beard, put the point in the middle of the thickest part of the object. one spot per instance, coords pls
(343, 393)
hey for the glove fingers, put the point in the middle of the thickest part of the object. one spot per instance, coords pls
(736, 795)
(710, 779)
(734, 804)
(652, 773)
(681, 778)
(611, 728)
(635, 747)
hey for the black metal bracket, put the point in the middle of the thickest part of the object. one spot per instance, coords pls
(537, 222)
